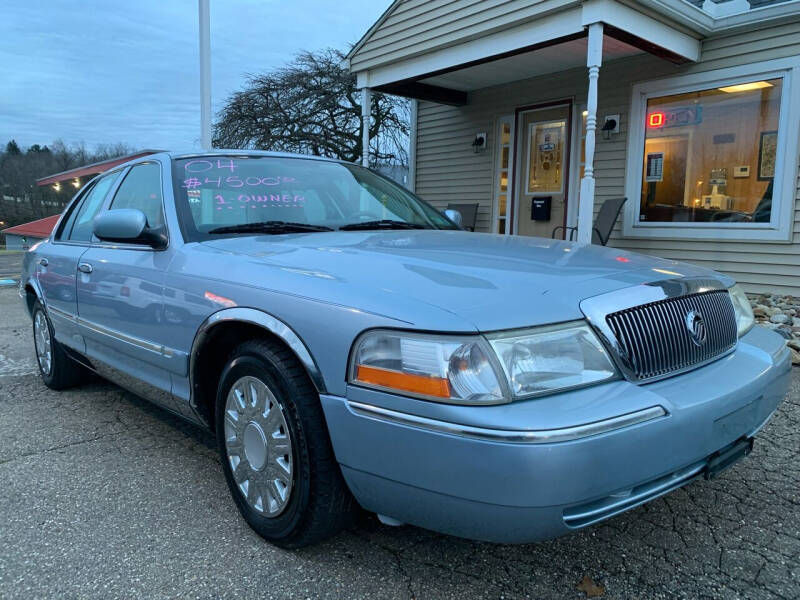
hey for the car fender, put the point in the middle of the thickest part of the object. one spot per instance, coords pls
(29, 280)
(266, 321)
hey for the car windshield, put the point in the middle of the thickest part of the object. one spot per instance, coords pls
(262, 194)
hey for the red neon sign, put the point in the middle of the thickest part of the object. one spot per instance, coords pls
(655, 119)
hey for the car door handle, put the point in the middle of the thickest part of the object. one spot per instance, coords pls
(44, 262)
(85, 268)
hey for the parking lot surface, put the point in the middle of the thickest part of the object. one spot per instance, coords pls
(103, 495)
(10, 264)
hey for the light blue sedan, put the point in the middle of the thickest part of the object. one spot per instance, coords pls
(351, 347)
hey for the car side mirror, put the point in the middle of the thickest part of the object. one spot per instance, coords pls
(128, 226)
(454, 216)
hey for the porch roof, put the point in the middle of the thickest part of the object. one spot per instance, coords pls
(416, 47)
(438, 50)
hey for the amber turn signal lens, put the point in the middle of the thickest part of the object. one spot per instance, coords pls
(417, 384)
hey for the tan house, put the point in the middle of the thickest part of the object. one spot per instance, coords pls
(690, 110)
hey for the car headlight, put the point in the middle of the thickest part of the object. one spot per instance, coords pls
(742, 310)
(556, 357)
(459, 370)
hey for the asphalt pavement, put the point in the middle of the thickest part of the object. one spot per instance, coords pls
(10, 264)
(103, 495)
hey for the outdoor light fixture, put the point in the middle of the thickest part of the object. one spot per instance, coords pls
(57, 187)
(479, 143)
(746, 87)
(611, 125)
(76, 183)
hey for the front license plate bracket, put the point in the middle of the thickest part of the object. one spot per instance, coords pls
(727, 457)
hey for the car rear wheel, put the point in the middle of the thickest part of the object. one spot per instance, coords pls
(275, 450)
(58, 370)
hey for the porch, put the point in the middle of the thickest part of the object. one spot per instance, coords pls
(535, 40)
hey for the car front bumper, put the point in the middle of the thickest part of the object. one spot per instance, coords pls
(541, 468)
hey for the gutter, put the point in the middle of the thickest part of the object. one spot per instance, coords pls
(700, 21)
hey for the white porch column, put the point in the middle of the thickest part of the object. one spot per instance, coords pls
(594, 59)
(366, 106)
(411, 184)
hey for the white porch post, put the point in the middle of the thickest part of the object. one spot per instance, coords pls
(366, 105)
(411, 184)
(594, 59)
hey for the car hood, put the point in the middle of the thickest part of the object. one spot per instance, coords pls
(442, 279)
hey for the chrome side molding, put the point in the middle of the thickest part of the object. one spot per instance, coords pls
(113, 333)
(541, 436)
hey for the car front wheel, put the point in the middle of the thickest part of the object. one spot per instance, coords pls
(275, 449)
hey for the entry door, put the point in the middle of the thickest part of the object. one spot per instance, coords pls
(542, 169)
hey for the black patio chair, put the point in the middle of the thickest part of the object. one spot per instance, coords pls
(604, 223)
(469, 214)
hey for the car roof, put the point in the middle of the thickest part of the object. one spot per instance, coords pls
(239, 152)
(172, 154)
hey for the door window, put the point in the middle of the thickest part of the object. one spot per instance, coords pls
(79, 227)
(141, 189)
(546, 156)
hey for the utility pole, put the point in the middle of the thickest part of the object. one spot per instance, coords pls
(205, 74)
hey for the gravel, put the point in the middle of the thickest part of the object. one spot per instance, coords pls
(102, 495)
(781, 314)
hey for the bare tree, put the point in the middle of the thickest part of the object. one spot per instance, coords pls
(312, 106)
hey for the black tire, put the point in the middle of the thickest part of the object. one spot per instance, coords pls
(320, 504)
(64, 372)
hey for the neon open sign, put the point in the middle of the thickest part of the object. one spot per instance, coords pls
(677, 117)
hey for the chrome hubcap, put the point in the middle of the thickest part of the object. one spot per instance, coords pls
(258, 446)
(41, 339)
(255, 446)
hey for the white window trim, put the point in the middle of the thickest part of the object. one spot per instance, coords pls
(779, 229)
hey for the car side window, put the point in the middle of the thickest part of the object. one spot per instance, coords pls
(141, 189)
(80, 228)
(72, 212)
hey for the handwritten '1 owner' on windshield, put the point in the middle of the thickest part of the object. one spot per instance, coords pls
(259, 201)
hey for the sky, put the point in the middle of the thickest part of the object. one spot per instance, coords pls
(98, 72)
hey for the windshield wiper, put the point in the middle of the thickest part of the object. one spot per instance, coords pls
(382, 224)
(271, 227)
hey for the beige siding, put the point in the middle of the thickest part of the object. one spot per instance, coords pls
(418, 26)
(449, 171)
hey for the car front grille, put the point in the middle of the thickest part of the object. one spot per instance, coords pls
(658, 339)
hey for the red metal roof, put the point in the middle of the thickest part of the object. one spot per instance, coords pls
(40, 228)
(93, 169)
